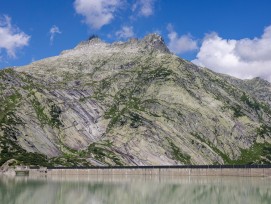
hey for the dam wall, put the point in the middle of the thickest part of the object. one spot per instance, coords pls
(163, 171)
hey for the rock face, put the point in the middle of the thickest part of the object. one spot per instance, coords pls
(130, 103)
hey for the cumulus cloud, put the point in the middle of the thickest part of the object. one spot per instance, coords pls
(145, 7)
(180, 44)
(53, 31)
(244, 58)
(97, 13)
(125, 32)
(11, 38)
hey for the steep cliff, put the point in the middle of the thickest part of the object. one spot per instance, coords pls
(130, 103)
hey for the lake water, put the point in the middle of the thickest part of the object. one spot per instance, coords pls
(134, 189)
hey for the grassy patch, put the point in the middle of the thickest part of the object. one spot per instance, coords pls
(263, 130)
(136, 120)
(177, 154)
(250, 102)
(39, 109)
(259, 107)
(211, 145)
(160, 73)
(52, 119)
(237, 111)
(55, 112)
(102, 151)
(68, 160)
(256, 154)
(8, 71)
(8, 106)
(11, 150)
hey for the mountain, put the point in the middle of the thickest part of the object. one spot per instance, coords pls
(131, 103)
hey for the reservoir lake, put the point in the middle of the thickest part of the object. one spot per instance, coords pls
(126, 189)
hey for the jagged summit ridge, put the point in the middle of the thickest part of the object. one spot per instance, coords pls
(151, 42)
(88, 53)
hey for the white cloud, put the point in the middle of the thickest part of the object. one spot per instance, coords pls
(182, 44)
(244, 58)
(11, 38)
(53, 31)
(145, 7)
(97, 13)
(125, 32)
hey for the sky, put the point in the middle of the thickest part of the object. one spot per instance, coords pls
(231, 37)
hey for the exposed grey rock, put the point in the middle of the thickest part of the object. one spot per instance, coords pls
(131, 103)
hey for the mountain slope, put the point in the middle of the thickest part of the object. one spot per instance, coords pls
(131, 103)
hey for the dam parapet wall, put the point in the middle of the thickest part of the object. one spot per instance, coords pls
(259, 171)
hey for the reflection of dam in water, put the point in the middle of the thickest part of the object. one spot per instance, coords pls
(127, 189)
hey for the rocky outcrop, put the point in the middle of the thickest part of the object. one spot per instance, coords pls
(5, 168)
(130, 103)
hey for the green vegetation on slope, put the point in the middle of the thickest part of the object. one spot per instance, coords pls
(100, 151)
(177, 154)
(256, 154)
(9, 133)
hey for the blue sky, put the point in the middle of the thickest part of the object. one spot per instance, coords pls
(232, 37)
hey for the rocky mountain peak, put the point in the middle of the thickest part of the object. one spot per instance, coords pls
(155, 41)
(91, 41)
(148, 43)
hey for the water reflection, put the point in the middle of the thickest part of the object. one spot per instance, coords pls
(134, 189)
